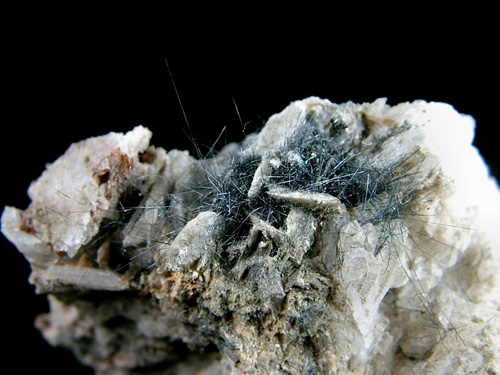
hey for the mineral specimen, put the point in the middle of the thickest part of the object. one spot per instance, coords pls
(340, 239)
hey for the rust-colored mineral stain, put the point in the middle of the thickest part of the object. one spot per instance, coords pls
(147, 157)
(61, 254)
(27, 224)
(85, 261)
(103, 176)
(125, 164)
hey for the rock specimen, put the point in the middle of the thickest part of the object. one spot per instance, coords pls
(340, 239)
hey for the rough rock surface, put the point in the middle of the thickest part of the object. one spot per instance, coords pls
(340, 239)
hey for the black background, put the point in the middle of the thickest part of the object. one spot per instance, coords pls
(54, 99)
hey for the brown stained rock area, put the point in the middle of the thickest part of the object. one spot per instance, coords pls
(114, 172)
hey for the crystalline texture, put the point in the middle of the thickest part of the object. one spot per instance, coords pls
(343, 238)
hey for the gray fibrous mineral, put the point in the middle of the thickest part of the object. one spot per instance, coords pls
(340, 239)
